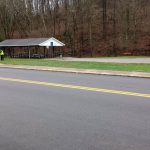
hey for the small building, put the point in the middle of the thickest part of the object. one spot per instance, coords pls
(32, 47)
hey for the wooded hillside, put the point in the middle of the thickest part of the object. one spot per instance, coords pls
(87, 27)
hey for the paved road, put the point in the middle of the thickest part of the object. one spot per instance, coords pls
(145, 60)
(40, 117)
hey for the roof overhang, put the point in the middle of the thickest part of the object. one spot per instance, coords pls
(47, 42)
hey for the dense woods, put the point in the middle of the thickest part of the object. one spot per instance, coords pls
(87, 27)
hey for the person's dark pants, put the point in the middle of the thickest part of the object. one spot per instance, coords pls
(2, 57)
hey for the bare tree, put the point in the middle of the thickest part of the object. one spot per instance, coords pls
(83, 24)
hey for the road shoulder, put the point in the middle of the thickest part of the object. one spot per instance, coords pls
(81, 71)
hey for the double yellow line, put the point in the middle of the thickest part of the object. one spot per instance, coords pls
(77, 87)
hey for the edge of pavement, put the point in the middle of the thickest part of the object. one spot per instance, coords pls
(80, 71)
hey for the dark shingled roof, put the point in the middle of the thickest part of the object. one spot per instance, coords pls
(22, 42)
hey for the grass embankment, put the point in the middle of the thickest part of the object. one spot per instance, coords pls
(79, 65)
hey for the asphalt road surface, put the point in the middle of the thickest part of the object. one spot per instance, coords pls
(50, 111)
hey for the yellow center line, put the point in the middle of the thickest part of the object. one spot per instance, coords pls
(78, 87)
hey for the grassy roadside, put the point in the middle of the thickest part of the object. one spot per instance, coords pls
(79, 65)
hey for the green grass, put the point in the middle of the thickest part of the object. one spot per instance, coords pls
(79, 65)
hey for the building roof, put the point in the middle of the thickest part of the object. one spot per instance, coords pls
(31, 42)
